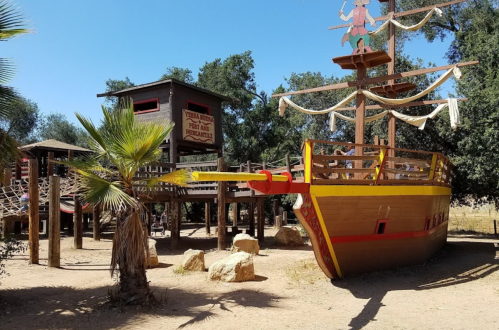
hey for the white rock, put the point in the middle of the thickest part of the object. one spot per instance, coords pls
(153, 254)
(237, 267)
(193, 260)
(245, 243)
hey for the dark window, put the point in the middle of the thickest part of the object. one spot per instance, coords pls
(381, 226)
(196, 107)
(146, 106)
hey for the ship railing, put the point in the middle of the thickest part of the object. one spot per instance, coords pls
(373, 165)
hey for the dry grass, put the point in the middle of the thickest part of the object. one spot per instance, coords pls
(179, 270)
(475, 218)
(305, 272)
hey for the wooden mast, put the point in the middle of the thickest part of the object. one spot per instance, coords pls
(391, 70)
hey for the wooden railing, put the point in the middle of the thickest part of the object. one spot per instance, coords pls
(373, 165)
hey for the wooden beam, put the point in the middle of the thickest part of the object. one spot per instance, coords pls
(403, 13)
(96, 222)
(50, 164)
(251, 219)
(54, 258)
(34, 242)
(207, 217)
(78, 224)
(376, 80)
(260, 220)
(222, 188)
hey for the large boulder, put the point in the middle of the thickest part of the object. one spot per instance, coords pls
(193, 260)
(245, 243)
(153, 254)
(237, 267)
(289, 236)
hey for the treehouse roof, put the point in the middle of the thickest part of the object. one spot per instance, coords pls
(167, 82)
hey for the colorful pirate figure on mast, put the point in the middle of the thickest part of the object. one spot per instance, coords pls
(357, 34)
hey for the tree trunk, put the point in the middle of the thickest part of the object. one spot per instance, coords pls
(129, 257)
(133, 288)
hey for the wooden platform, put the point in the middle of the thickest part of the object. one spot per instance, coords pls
(396, 88)
(366, 60)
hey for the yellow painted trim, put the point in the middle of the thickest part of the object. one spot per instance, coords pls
(325, 191)
(382, 154)
(308, 161)
(433, 167)
(328, 238)
(227, 176)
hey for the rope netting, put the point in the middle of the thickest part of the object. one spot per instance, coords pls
(10, 197)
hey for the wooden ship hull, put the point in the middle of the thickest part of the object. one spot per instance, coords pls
(356, 229)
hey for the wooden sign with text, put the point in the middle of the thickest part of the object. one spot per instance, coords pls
(198, 127)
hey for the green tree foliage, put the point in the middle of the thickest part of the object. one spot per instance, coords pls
(251, 126)
(114, 85)
(57, 126)
(477, 152)
(473, 147)
(174, 72)
(21, 120)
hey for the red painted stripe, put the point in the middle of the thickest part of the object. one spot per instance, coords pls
(383, 237)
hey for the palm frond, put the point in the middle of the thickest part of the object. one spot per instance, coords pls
(98, 190)
(9, 151)
(96, 141)
(179, 178)
(12, 23)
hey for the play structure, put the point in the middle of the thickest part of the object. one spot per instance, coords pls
(13, 207)
(197, 114)
(366, 206)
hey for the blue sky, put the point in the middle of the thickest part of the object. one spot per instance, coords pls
(77, 45)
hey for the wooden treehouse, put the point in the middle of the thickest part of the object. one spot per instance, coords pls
(197, 114)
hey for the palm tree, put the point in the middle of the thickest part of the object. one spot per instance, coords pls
(122, 145)
(11, 24)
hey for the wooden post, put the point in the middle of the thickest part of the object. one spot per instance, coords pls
(34, 242)
(175, 215)
(85, 220)
(222, 188)
(149, 218)
(50, 164)
(207, 217)
(235, 215)
(19, 171)
(78, 224)
(284, 218)
(70, 223)
(96, 222)
(260, 219)
(360, 114)
(251, 219)
(278, 222)
(179, 219)
(54, 259)
(495, 227)
(276, 208)
(7, 175)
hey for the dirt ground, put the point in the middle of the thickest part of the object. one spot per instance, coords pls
(457, 289)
